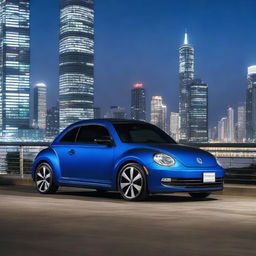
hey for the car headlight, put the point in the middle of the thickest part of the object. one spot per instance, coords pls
(163, 159)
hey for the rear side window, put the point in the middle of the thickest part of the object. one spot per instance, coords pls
(88, 134)
(70, 136)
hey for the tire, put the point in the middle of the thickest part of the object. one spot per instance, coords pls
(199, 195)
(44, 179)
(134, 189)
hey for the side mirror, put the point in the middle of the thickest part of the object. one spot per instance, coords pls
(104, 141)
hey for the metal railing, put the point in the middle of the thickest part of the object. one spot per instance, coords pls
(17, 158)
(239, 160)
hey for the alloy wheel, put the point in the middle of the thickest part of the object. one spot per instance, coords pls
(131, 182)
(43, 178)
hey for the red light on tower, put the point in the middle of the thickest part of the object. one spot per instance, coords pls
(138, 85)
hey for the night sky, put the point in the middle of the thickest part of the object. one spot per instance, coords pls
(138, 40)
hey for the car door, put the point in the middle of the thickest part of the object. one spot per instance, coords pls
(85, 160)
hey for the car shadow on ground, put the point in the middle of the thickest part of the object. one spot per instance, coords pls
(177, 198)
(93, 195)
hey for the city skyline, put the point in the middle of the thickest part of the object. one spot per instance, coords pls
(76, 77)
(221, 77)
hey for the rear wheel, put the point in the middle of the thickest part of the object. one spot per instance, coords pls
(132, 182)
(199, 195)
(44, 179)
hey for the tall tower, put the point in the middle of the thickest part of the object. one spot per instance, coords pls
(158, 113)
(40, 105)
(198, 111)
(230, 125)
(138, 102)
(251, 105)
(76, 61)
(223, 129)
(175, 125)
(186, 75)
(14, 66)
(241, 123)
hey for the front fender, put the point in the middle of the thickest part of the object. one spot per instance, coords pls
(47, 155)
(142, 156)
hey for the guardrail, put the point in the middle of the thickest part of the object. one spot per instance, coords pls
(239, 160)
(17, 158)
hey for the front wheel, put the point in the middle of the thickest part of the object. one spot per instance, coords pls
(199, 195)
(44, 179)
(132, 182)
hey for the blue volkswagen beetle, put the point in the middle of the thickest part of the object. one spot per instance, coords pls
(133, 157)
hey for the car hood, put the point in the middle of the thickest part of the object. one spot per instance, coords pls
(188, 156)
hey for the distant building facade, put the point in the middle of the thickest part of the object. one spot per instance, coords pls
(52, 121)
(230, 125)
(251, 105)
(241, 123)
(40, 105)
(116, 112)
(186, 75)
(223, 129)
(97, 112)
(197, 123)
(138, 102)
(175, 126)
(158, 113)
(14, 67)
(76, 61)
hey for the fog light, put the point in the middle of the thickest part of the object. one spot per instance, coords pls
(166, 179)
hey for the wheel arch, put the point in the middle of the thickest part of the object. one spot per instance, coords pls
(48, 156)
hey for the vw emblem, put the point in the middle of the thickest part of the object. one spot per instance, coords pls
(199, 160)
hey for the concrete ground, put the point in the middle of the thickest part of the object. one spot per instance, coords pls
(83, 222)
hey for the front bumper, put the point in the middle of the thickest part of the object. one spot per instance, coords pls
(183, 179)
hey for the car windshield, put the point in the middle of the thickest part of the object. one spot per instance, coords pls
(141, 133)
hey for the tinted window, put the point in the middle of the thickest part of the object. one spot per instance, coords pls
(70, 136)
(142, 133)
(89, 133)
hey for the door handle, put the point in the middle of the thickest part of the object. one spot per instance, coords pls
(71, 152)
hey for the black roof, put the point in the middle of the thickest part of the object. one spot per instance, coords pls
(112, 120)
(117, 120)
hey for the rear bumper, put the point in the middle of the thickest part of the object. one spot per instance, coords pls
(184, 180)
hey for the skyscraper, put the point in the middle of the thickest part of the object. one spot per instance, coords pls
(223, 129)
(230, 125)
(76, 61)
(14, 66)
(251, 105)
(197, 111)
(186, 75)
(40, 105)
(241, 123)
(158, 113)
(175, 125)
(138, 102)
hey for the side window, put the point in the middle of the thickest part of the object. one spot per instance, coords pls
(89, 133)
(70, 136)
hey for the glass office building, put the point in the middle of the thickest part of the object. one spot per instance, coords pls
(251, 105)
(40, 105)
(158, 113)
(198, 111)
(76, 61)
(14, 67)
(186, 75)
(138, 102)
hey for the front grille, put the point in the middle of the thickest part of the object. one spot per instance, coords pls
(193, 183)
